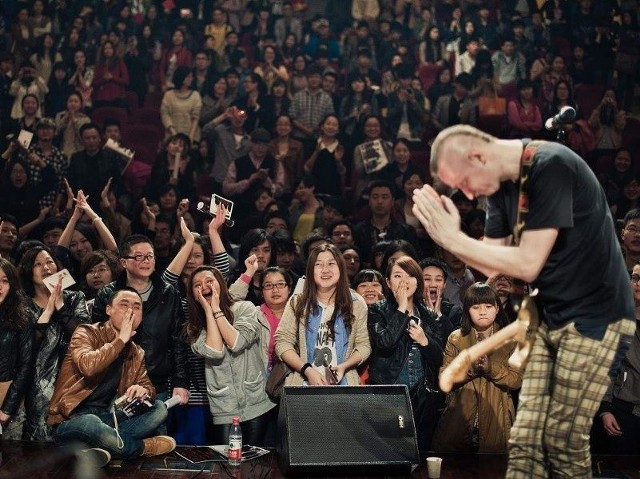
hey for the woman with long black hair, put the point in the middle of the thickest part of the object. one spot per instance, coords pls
(16, 347)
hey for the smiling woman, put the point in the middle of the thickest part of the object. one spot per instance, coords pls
(229, 335)
(326, 323)
(58, 313)
(405, 343)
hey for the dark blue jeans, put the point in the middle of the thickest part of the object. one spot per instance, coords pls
(97, 430)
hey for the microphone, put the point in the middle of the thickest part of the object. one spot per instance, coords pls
(200, 207)
(172, 401)
(567, 115)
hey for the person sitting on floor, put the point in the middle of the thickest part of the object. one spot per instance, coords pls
(102, 364)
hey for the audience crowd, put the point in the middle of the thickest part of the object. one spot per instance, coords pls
(118, 118)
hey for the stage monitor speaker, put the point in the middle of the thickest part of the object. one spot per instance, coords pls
(361, 430)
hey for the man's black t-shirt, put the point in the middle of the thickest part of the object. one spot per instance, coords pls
(584, 279)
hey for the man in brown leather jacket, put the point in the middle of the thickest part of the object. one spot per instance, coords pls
(102, 364)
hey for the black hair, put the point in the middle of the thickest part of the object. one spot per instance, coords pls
(382, 184)
(632, 214)
(10, 218)
(252, 239)
(284, 241)
(25, 268)
(436, 263)
(277, 214)
(180, 75)
(110, 122)
(367, 275)
(89, 126)
(395, 246)
(312, 238)
(130, 241)
(480, 293)
(119, 290)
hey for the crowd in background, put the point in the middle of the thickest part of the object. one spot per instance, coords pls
(314, 118)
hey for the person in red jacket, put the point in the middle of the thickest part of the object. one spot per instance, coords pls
(110, 79)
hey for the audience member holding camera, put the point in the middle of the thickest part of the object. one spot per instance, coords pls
(103, 365)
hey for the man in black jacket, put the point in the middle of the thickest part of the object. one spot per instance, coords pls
(91, 168)
(159, 335)
(381, 226)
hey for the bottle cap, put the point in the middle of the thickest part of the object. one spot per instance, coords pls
(236, 420)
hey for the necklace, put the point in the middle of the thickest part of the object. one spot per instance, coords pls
(147, 289)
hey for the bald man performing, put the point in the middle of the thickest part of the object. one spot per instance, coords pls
(566, 248)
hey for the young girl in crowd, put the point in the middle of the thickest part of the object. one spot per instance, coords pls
(324, 327)
(404, 341)
(368, 284)
(480, 411)
(228, 334)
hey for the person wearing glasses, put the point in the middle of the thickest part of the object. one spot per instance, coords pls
(631, 238)
(97, 269)
(160, 334)
(276, 286)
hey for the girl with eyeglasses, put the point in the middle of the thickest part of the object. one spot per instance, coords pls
(275, 285)
(325, 325)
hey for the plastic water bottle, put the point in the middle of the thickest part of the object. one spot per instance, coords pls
(234, 454)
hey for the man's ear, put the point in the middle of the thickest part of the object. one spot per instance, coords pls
(109, 310)
(477, 155)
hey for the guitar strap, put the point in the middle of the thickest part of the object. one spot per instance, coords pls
(526, 160)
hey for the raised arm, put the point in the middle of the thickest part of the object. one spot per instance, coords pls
(177, 265)
(442, 221)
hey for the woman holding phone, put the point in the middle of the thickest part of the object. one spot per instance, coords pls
(323, 335)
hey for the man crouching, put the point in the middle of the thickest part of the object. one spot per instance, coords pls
(101, 365)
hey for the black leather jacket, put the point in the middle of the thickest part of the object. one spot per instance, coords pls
(391, 343)
(16, 349)
(159, 334)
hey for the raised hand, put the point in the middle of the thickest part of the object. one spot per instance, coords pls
(251, 265)
(104, 195)
(126, 328)
(218, 221)
(438, 214)
(187, 235)
(400, 293)
(183, 207)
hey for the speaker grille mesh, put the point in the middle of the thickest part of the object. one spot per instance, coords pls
(350, 425)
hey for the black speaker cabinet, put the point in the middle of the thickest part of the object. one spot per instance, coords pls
(344, 430)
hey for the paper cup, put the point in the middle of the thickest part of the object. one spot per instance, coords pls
(433, 467)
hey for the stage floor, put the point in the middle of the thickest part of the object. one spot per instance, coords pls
(42, 460)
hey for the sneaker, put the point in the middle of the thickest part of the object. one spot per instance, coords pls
(158, 445)
(96, 456)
